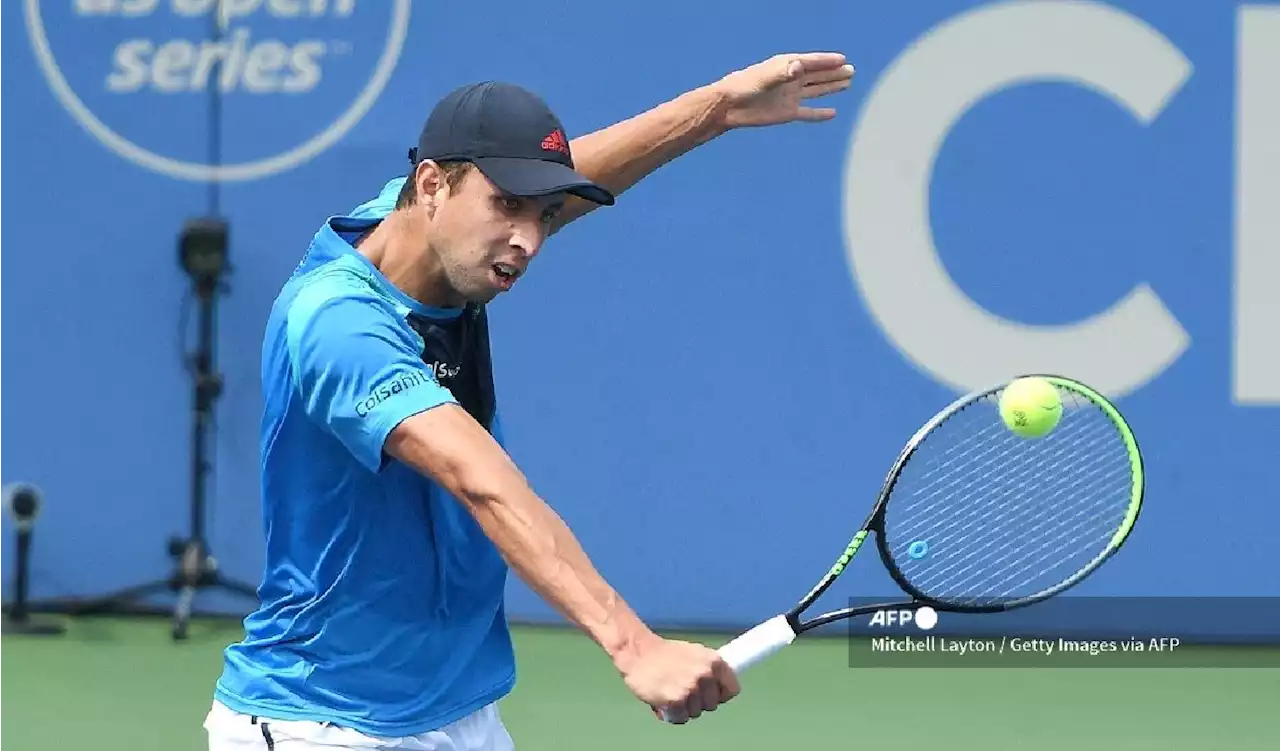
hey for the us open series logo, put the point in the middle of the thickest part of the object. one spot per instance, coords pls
(137, 74)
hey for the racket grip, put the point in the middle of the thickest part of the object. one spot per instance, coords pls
(754, 645)
(758, 643)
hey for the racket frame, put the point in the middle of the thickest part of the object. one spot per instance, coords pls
(774, 634)
(874, 524)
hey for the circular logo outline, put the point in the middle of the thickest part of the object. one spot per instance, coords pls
(176, 168)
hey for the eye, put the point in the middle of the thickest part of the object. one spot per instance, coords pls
(550, 214)
(511, 203)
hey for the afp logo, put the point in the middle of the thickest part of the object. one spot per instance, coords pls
(292, 77)
(924, 617)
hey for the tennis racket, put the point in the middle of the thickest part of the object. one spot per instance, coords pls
(973, 518)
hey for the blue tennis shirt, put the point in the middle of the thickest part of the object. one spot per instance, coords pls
(382, 601)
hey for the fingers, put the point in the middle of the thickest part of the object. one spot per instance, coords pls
(692, 680)
(792, 69)
(709, 693)
(718, 686)
(693, 706)
(822, 89)
(727, 680)
(705, 697)
(829, 64)
(825, 75)
(818, 60)
(815, 114)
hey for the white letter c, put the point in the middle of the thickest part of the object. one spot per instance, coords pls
(904, 122)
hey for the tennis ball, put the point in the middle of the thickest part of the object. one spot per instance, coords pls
(1030, 407)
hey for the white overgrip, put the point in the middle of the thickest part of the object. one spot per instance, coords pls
(760, 642)
(756, 644)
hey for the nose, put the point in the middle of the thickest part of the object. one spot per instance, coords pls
(526, 240)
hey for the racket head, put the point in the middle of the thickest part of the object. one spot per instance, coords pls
(948, 518)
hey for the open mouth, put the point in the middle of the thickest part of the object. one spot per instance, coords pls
(506, 274)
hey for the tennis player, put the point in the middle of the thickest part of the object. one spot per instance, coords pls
(392, 513)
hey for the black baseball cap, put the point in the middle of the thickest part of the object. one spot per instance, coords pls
(510, 135)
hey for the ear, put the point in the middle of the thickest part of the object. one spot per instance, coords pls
(430, 180)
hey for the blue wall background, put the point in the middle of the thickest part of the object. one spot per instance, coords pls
(695, 378)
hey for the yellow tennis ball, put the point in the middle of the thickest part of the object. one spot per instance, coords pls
(1030, 407)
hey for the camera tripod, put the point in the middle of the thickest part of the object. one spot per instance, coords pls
(203, 256)
(23, 502)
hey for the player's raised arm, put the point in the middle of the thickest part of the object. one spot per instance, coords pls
(771, 92)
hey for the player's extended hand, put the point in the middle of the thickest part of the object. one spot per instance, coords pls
(774, 91)
(681, 678)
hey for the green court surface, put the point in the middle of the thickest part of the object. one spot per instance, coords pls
(122, 685)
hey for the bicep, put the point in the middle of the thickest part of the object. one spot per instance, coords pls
(358, 373)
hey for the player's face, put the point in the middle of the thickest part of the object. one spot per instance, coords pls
(486, 239)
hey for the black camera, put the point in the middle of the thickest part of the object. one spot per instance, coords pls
(202, 251)
(23, 502)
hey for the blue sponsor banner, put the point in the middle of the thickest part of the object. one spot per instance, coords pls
(710, 379)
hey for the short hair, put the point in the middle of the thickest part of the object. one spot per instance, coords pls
(454, 171)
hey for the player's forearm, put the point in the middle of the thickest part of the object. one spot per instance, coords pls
(544, 553)
(455, 451)
(621, 155)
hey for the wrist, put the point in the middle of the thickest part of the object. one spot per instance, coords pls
(628, 645)
(714, 104)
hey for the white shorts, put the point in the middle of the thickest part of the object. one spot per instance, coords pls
(232, 731)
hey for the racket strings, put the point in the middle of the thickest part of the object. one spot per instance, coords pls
(940, 491)
(1009, 534)
(1003, 549)
(984, 436)
(1002, 517)
(979, 465)
(1055, 522)
(971, 576)
(1020, 566)
(978, 513)
(1071, 543)
(1009, 530)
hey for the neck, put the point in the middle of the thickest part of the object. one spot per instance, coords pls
(417, 273)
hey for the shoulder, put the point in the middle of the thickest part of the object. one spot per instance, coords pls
(384, 203)
(340, 295)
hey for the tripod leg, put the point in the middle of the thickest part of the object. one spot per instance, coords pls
(237, 587)
(182, 612)
(195, 566)
(18, 618)
(118, 601)
(33, 628)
